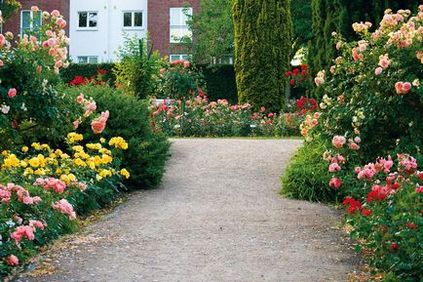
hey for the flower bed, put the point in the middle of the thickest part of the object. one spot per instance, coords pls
(59, 156)
(199, 117)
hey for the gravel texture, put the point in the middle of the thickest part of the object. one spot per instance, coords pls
(216, 217)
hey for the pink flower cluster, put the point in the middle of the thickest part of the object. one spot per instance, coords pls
(27, 231)
(186, 64)
(23, 194)
(338, 141)
(99, 124)
(371, 169)
(407, 164)
(24, 231)
(55, 184)
(402, 88)
(64, 207)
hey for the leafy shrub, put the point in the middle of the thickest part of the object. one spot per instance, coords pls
(129, 118)
(306, 176)
(138, 70)
(198, 117)
(180, 80)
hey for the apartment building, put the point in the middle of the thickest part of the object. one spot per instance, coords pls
(98, 28)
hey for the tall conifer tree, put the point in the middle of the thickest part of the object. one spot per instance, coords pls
(263, 39)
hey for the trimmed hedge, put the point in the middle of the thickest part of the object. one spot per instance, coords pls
(221, 82)
(88, 70)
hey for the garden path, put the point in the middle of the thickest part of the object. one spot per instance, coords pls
(216, 217)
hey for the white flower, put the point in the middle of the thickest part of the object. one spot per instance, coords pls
(5, 109)
(10, 223)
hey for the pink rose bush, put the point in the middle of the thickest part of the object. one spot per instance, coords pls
(29, 67)
(199, 117)
(370, 110)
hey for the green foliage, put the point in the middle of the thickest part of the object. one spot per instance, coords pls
(129, 118)
(301, 17)
(8, 7)
(263, 32)
(213, 31)
(306, 177)
(221, 82)
(180, 80)
(138, 70)
(88, 70)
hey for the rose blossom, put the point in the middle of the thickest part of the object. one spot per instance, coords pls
(338, 141)
(12, 260)
(378, 71)
(402, 88)
(335, 183)
(12, 92)
(334, 167)
(55, 13)
(99, 124)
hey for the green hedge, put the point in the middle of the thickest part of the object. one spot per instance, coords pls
(221, 82)
(220, 79)
(88, 70)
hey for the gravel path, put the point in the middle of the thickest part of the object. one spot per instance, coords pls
(217, 217)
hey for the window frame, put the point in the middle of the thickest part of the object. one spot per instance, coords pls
(133, 27)
(88, 60)
(172, 39)
(184, 56)
(31, 23)
(87, 27)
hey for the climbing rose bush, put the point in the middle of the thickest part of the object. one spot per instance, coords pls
(372, 107)
(373, 91)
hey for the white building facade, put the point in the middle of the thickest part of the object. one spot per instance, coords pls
(98, 28)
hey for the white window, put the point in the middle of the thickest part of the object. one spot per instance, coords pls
(87, 60)
(87, 20)
(132, 19)
(178, 24)
(176, 57)
(30, 22)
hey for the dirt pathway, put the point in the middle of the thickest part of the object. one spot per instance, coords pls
(217, 217)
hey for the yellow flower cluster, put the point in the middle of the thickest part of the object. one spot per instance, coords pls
(119, 143)
(124, 173)
(74, 137)
(86, 162)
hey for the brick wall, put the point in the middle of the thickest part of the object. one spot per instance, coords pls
(158, 23)
(13, 24)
